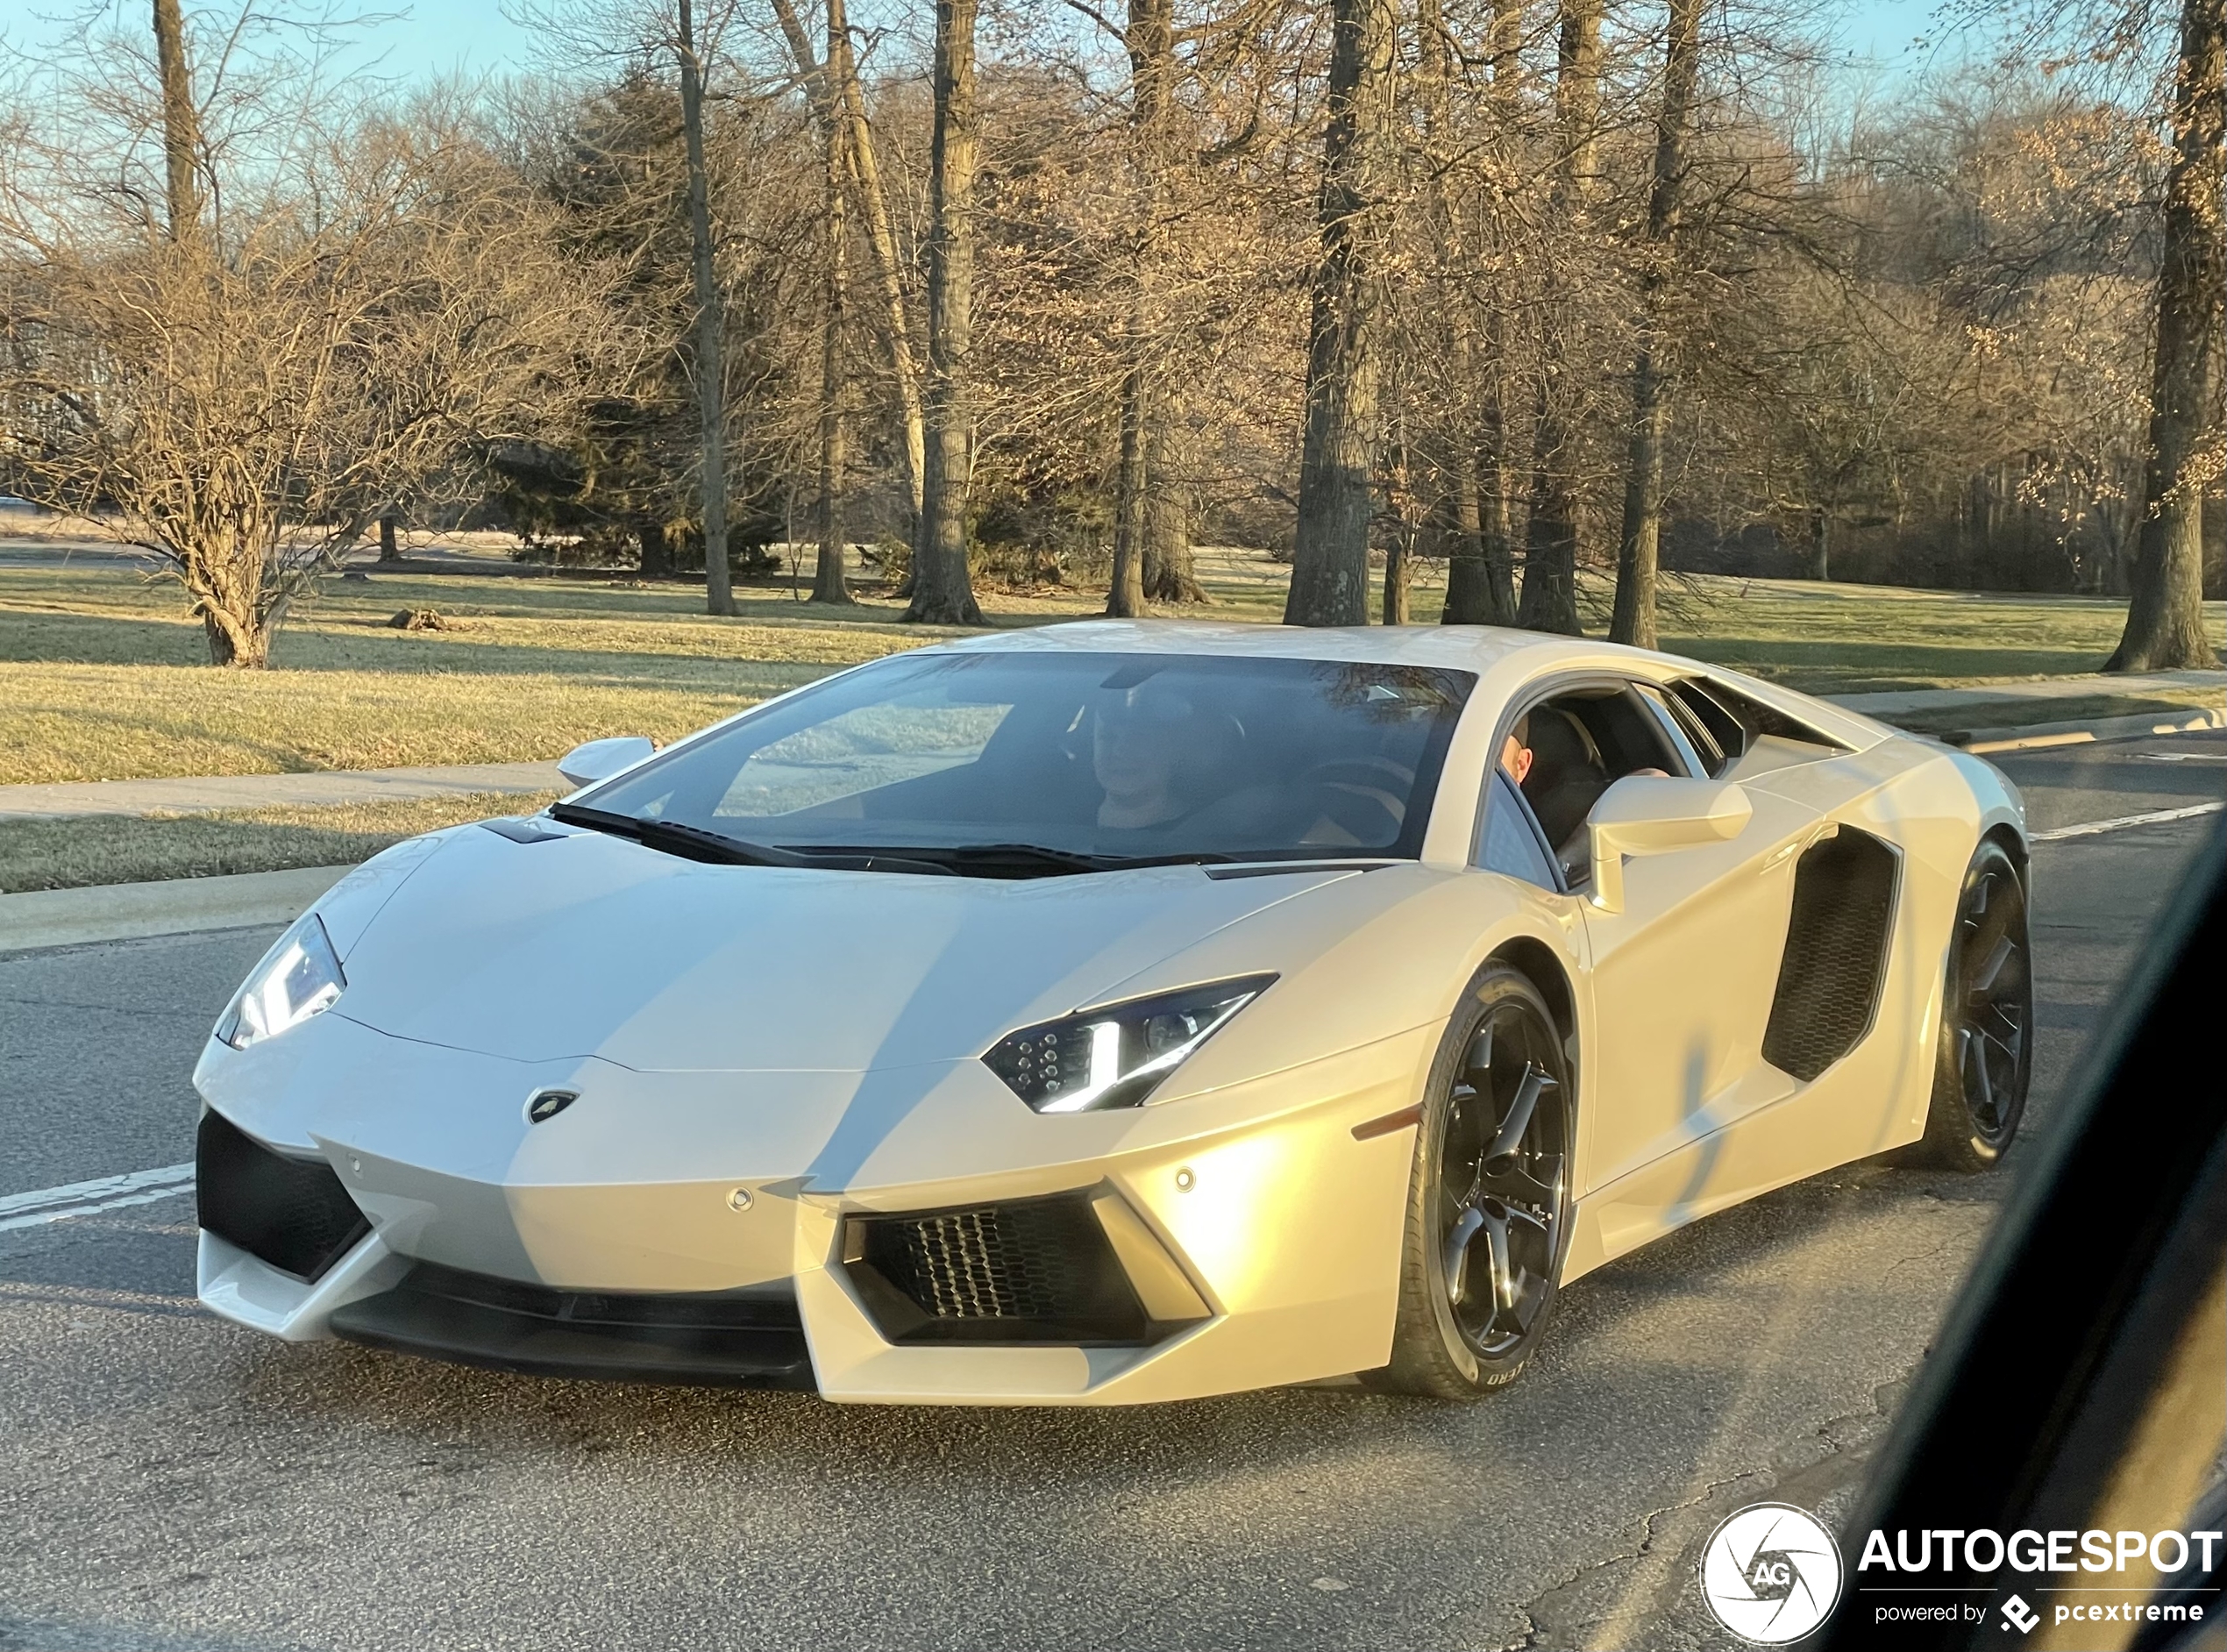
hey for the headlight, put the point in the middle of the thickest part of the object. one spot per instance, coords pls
(298, 979)
(1116, 1056)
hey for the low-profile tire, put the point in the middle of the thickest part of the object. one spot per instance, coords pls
(1986, 1055)
(1486, 1230)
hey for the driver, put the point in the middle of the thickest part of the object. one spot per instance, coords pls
(1515, 750)
(1143, 742)
(1519, 761)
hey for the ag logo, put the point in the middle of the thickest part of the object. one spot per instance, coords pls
(1771, 1573)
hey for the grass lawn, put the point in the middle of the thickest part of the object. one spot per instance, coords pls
(101, 675)
(69, 854)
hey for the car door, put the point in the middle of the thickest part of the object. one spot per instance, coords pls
(1681, 977)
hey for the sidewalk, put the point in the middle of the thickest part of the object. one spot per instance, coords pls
(323, 789)
(1886, 705)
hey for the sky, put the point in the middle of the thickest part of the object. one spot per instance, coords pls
(423, 37)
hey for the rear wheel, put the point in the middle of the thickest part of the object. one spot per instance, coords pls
(1986, 1054)
(1490, 1201)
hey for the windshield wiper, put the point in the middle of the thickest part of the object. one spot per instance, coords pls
(1038, 860)
(692, 843)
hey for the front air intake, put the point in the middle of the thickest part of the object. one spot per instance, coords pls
(291, 1212)
(1031, 1270)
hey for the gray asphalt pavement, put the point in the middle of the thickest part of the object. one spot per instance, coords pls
(167, 1481)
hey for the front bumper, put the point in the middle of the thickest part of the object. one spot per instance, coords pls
(662, 1229)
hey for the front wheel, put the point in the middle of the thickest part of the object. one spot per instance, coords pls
(1489, 1204)
(1986, 1055)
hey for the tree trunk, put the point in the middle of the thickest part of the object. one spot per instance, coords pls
(711, 409)
(1820, 542)
(943, 594)
(181, 124)
(1330, 557)
(1125, 595)
(840, 98)
(829, 582)
(1550, 535)
(388, 550)
(1550, 539)
(657, 550)
(1170, 574)
(238, 643)
(1640, 543)
(1496, 486)
(1399, 570)
(1467, 595)
(2164, 620)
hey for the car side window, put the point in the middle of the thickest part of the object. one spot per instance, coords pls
(1694, 755)
(1580, 744)
(1511, 842)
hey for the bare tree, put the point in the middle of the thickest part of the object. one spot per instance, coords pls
(943, 590)
(829, 583)
(1473, 595)
(2188, 449)
(710, 363)
(1653, 375)
(1550, 550)
(1150, 42)
(839, 96)
(376, 304)
(1330, 556)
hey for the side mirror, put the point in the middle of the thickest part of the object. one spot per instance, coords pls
(1646, 815)
(600, 759)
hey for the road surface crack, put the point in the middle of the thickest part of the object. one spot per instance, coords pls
(1649, 1525)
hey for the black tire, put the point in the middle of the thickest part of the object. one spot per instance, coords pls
(1510, 1216)
(1986, 1055)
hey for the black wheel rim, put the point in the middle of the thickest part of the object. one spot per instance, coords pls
(1995, 974)
(1504, 1164)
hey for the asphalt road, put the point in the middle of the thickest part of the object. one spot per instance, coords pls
(168, 1481)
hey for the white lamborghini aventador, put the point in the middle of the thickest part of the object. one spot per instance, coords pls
(1116, 1012)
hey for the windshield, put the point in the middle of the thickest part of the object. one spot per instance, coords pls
(1114, 757)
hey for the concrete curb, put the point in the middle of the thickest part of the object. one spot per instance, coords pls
(176, 906)
(2033, 734)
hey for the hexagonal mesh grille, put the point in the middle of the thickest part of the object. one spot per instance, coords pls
(1033, 1270)
(1012, 1261)
(1836, 953)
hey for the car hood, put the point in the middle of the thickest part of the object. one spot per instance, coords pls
(586, 944)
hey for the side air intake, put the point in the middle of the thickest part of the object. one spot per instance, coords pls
(292, 1212)
(1836, 953)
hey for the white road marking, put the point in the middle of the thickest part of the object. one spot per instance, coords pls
(2182, 757)
(2155, 817)
(85, 1198)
